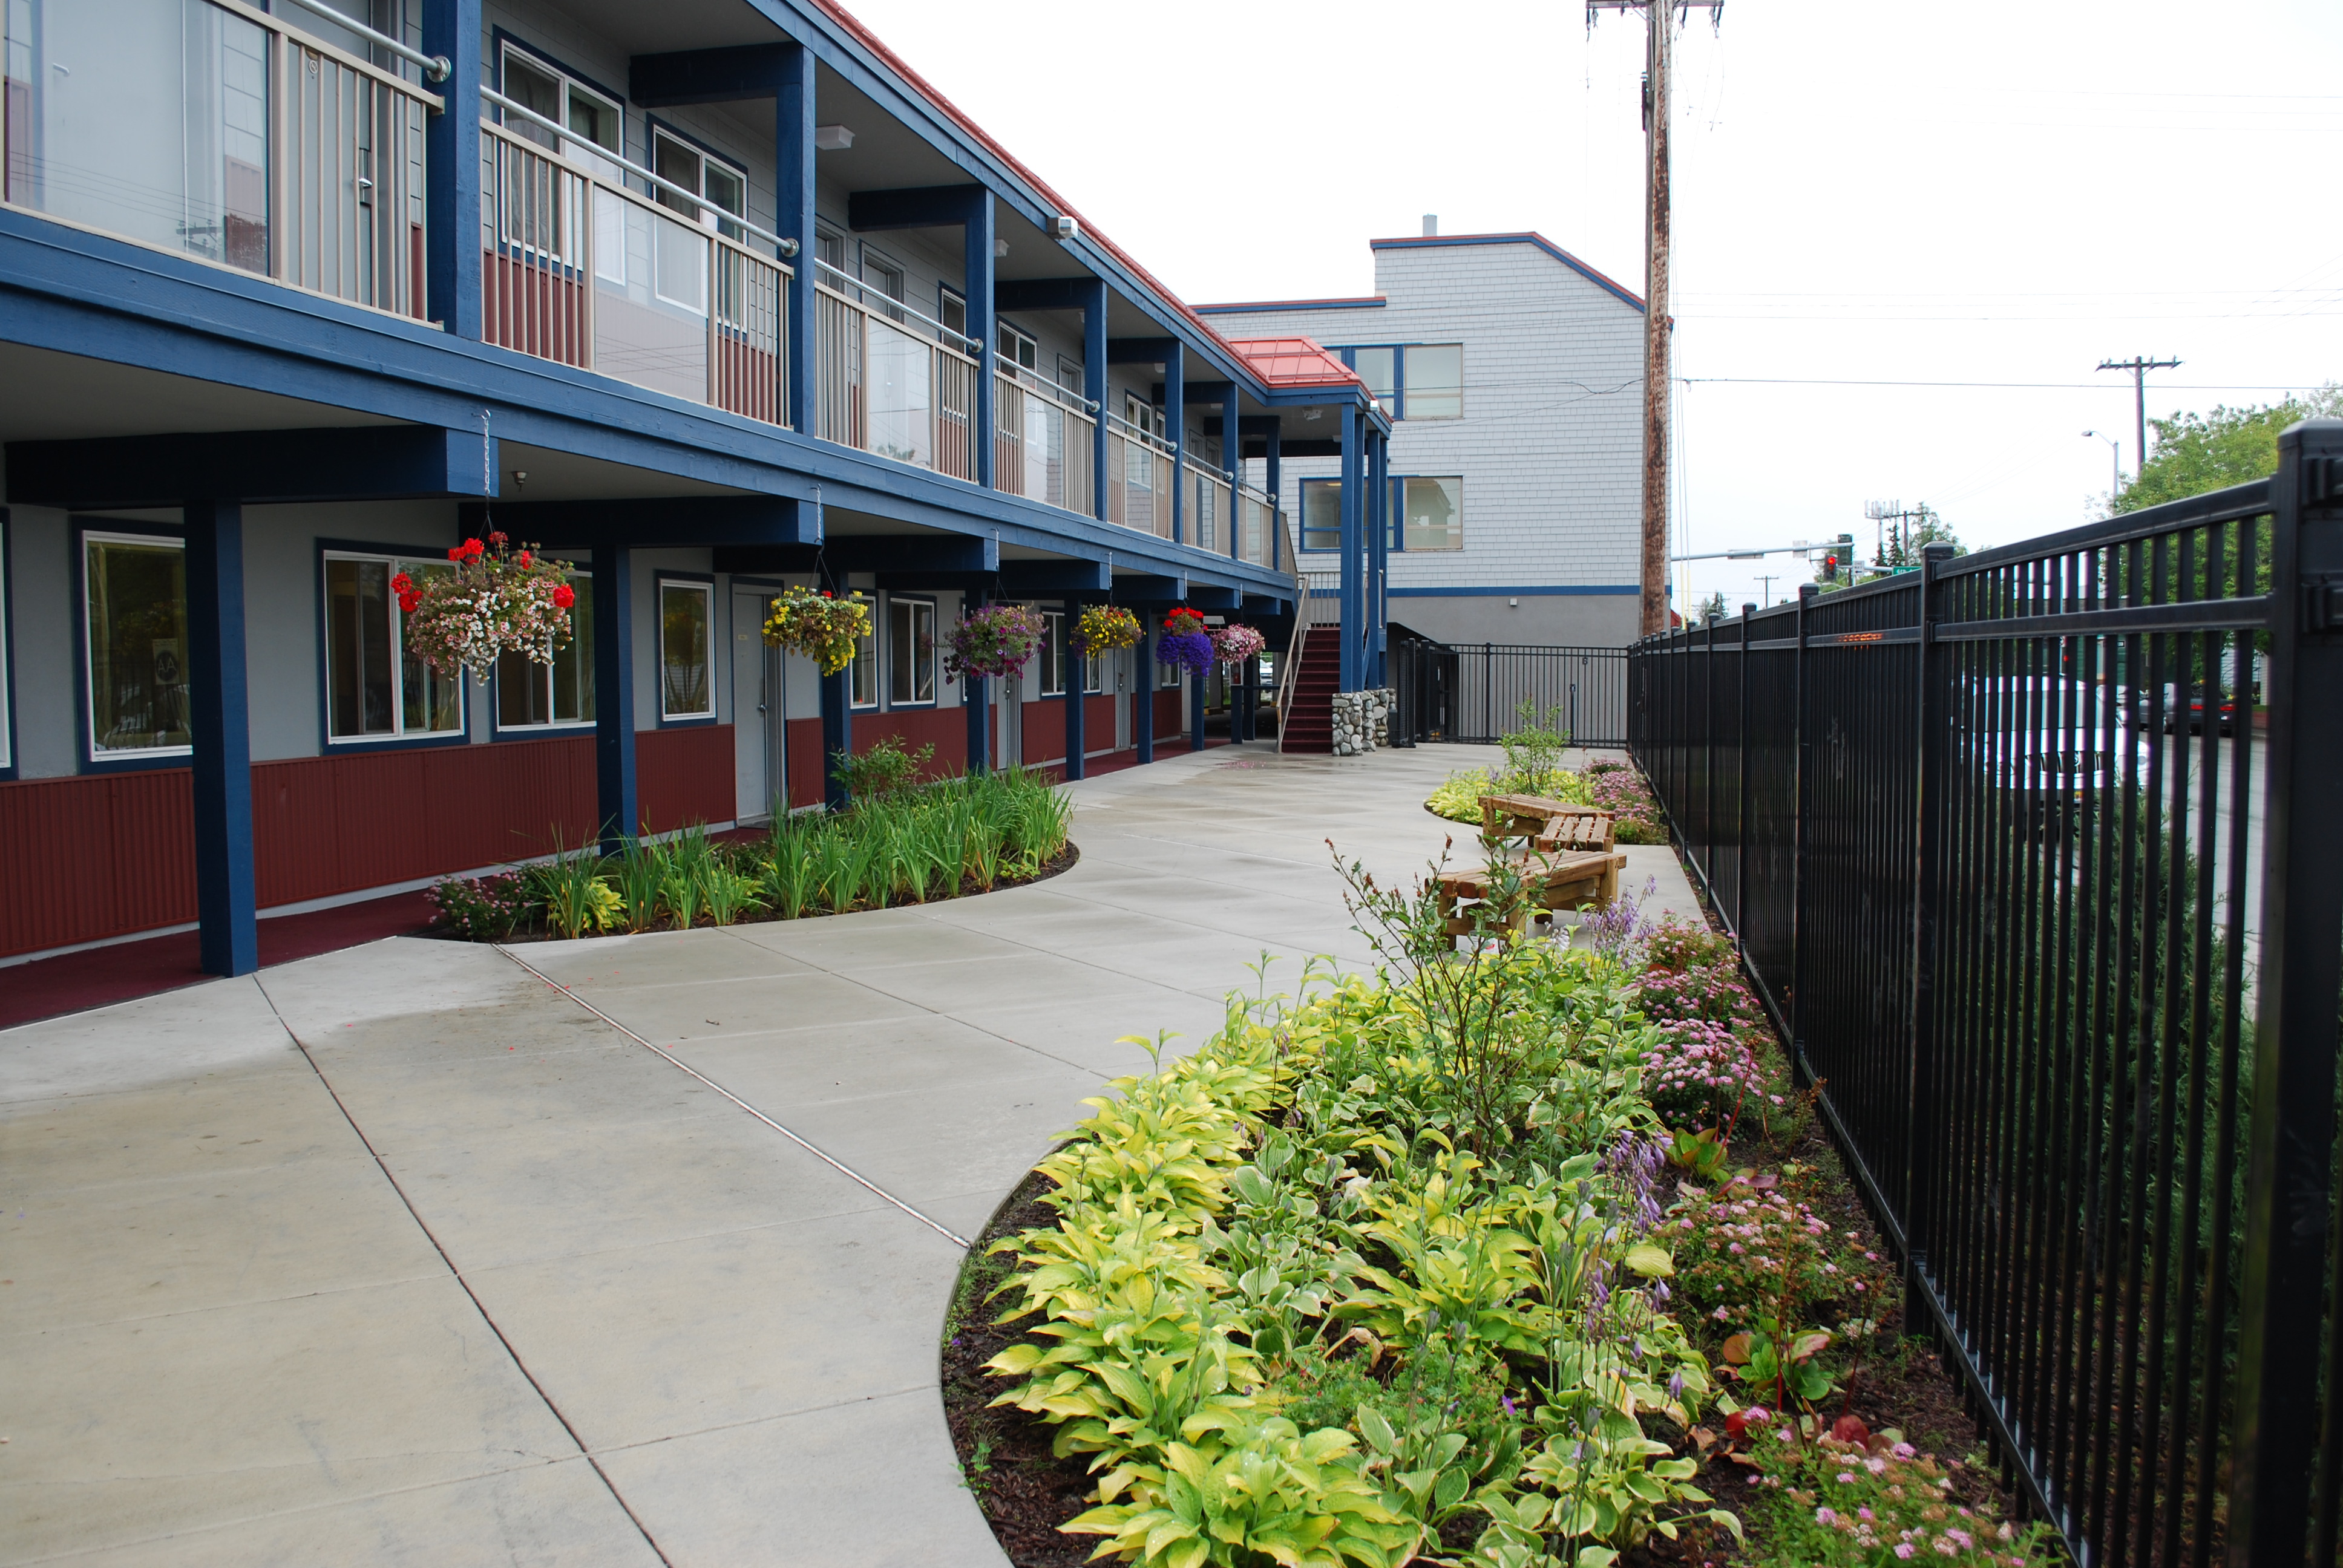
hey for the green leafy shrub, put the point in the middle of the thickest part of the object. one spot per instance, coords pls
(1756, 1244)
(1869, 1501)
(881, 773)
(1618, 788)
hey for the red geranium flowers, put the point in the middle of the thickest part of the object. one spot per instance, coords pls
(565, 596)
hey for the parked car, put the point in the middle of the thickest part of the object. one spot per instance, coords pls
(2041, 742)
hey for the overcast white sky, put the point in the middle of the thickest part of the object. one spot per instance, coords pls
(1986, 192)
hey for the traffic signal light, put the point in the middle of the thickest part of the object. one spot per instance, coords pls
(1830, 568)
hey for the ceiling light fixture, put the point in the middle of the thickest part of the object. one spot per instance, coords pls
(833, 138)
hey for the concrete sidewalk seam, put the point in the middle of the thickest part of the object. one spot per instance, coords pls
(954, 1237)
(461, 1283)
(927, 1388)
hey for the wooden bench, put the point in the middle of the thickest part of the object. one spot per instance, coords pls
(1571, 879)
(1529, 817)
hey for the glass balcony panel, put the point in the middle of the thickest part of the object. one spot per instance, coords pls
(901, 394)
(650, 292)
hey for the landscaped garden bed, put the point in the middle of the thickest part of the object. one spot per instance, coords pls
(1533, 766)
(899, 843)
(1517, 1255)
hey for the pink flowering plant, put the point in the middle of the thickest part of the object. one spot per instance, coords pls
(1618, 788)
(1699, 1073)
(1869, 1500)
(491, 600)
(1755, 1243)
(1236, 644)
(998, 640)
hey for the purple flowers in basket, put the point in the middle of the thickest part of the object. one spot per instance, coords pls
(1185, 644)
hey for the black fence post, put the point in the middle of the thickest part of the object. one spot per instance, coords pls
(2290, 1215)
(1488, 690)
(1741, 808)
(1920, 1096)
(1807, 592)
(1708, 762)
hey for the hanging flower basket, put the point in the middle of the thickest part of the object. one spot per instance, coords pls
(1104, 628)
(495, 601)
(819, 625)
(995, 640)
(1237, 644)
(1185, 644)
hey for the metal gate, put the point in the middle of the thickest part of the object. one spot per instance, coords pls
(1476, 693)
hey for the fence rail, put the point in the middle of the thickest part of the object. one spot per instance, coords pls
(1475, 693)
(2010, 860)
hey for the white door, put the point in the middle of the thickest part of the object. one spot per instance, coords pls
(757, 707)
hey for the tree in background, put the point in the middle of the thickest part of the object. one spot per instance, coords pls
(1902, 550)
(1711, 608)
(2199, 452)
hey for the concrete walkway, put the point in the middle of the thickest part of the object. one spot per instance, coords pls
(406, 1255)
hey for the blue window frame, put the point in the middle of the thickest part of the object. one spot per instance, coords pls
(1411, 380)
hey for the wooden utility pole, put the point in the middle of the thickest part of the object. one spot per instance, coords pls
(1659, 17)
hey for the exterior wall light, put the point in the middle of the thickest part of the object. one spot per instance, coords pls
(833, 138)
(1064, 226)
(999, 247)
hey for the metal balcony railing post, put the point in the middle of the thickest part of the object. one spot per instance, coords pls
(2289, 1204)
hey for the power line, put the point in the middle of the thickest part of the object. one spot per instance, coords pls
(2001, 386)
(2140, 368)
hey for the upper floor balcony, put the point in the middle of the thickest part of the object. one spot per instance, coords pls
(618, 239)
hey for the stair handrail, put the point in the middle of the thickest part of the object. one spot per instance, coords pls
(1306, 596)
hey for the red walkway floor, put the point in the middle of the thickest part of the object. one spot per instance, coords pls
(99, 976)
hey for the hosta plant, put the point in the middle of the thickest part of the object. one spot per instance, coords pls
(819, 625)
(488, 601)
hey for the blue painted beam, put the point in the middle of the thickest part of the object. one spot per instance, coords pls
(915, 207)
(723, 76)
(1056, 577)
(694, 522)
(229, 939)
(1378, 518)
(1195, 711)
(1354, 600)
(1046, 292)
(1139, 350)
(912, 553)
(1213, 597)
(167, 314)
(976, 703)
(1143, 590)
(615, 809)
(340, 463)
(451, 163)
(975, 279)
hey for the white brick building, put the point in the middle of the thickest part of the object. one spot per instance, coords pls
(1513, 372)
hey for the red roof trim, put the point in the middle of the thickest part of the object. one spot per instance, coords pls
(920, 85)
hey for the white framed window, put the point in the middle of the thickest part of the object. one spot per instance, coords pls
(547, 89)
(376, 687)
(1167, 677)
(862, 690)
(952, 307)
(532, 695)
(1432, 513)
(910, 652)
(135, 626)
(1070, 375)
(722, 185)
(687, 611)
(830, 249)
(884, 276)
(1016, 347)
(1094, 673)
(1054, 654)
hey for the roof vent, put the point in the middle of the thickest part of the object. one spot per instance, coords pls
(1431, 226)
(833, 138)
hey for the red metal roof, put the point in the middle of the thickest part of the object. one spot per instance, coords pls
(1293, 362)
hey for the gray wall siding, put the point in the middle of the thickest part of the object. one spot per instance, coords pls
(43, 628)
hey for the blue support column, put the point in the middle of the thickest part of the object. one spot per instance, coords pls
(793, 116)
(221, 723)
(1077, 672)
(975, 268)
(451, 161)
(976, 703)
(1354, 600)
(836, 734)
(1175, 414)
(1142, 685)
(1378, 532)
(614, 804)
(1196, 685)
(1094, 387)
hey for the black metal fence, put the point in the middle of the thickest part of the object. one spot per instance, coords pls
(2052, 910)
(1475, 692)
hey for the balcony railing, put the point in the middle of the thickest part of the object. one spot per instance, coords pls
(1259, 526)
(580, 270)
(246, 144)
(1138, 478)
(1208, 520)
(887, 382)
(1042, 443)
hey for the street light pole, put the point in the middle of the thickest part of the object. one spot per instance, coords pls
(2115, 465)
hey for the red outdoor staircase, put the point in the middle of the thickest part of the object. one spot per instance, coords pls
(1309, 723)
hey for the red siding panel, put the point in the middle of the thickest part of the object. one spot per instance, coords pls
(1098, 723)
(94, 856)
(945, 728)
(806, 774)
(685, 776)
(1167, 715)
(1045, 731)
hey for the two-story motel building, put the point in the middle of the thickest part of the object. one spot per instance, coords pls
(709, 297)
